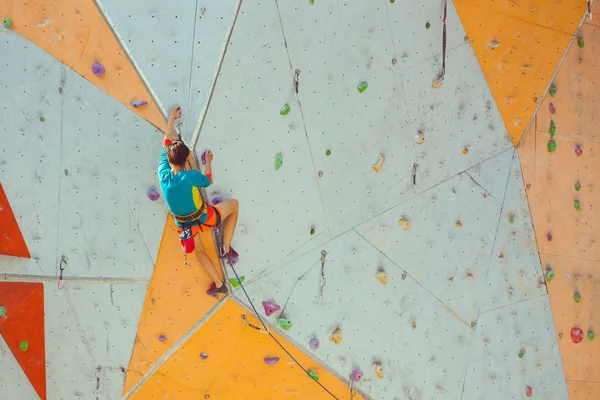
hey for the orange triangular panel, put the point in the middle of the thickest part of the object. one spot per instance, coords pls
(22, 328)
(11, 239)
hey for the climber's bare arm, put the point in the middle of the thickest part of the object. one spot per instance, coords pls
(173, 115)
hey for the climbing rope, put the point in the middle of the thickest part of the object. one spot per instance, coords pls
(437, 82)
(274, 338)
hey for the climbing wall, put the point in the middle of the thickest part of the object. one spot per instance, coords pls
(177, 50)
(12, 242)
(558, 157)
(13, 379)
(519, 48)
(82, 165)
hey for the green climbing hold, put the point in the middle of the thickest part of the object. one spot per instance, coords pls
(577, 205)
(3, 312)
(237, 282)
(511, 218)
(310, 372)
(427, 25)
(24, 346)
(553, 91)
(580, 43)
(577, 297)
(285, 110)
(552, 130)
(521, 355)
(549, 275)
(362, 87)
(284, 323)
(311, 1)
(8, 22)
(312, 231)
(328, 153)
(278, 161)
(551, 146)
(590, 335)
(577, 186)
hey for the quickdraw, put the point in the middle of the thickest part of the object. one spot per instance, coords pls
(63, 265)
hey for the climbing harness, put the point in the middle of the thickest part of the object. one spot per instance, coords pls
(439, 80)
(323, 255)
(63, 265)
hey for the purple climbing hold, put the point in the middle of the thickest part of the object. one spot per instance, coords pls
(314, 343)
(153, 194)
(138, 103)
(271, 360)
(203, 157)
(357, 375)
(270, 308)
(162, 338)
(216, 201)
(98, 69)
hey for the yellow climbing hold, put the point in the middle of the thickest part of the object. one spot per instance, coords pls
(379, 164)
(336, 336)
(379, 371)
(414, 326)
(465, 150)
(382, 277)
(458, 223)
(404, 224)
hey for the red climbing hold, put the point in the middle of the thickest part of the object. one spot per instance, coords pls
(528, 391)
(578, 150)
(576, 335)
(549, 236)
(552, 108)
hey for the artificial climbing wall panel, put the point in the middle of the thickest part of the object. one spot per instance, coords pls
(90, 330)
(177, 49)
(224, 359)
(245, 131)
(78, 165)
(13, 379)
(519, 48)
(75, 33)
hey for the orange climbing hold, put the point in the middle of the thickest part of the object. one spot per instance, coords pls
(22, 328)
(11, 240)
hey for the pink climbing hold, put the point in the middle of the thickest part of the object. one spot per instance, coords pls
(98, 69)
(528, 391)
(270, 308)
(357, 375)
(552, 108)
(576, 335)
(162, 338)
(153, 194)
(138, 103)
(314, 343)
(578, 150)
(271, 360)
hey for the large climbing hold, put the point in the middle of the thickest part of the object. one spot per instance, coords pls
(138, 103)
(336, 336)
(404, 224)
(551, 146)
(7, 22)
(235, 282)
(270, 308)
(271, 360)
(528, 391)
(381, 277)
(576, 335)
(285, 110)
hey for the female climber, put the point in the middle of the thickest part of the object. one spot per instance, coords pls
(191, 213)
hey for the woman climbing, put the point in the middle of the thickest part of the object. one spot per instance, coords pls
(181, 189)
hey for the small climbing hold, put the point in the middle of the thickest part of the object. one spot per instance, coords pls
(362, 87)
(216, 201)
(377, 167)
(378, 371)
(203, 157)
(576, 335)
(553, 90)
(270, 308)
(153, 194)
(278, 161)
(203, 355)
(404, 224)
(528, 391)
(320, 174)
(458, 224)
(578, 150)
(577, 186)
(549, 275)
(551, 108)
(312, 231)
(138, 103)
(285, 110)
(493, 44)
(465, 150)
(42, 119)
(98, 69)
(381, 277)
(237, 282)
(551, 146)
(419, 138)
(24, 346)
(427, 25)
(162, 338)
(271, 360)
(577, 298)
(336, 336)
(284, 323)
(590, 335)
(2, 312)
(314, 343)
(357, 375)
(394, 61)
(7, 22)
(549, 236)
(413, 326)
(511, 218)
(327, 152)
(310, 372)
(552, 130)
(580, 43)
(577, 205)
(311, 1)
(521, 354)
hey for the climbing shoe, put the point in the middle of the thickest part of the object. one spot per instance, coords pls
(212, 290)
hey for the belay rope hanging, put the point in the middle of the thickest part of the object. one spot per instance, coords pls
(439, 79)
